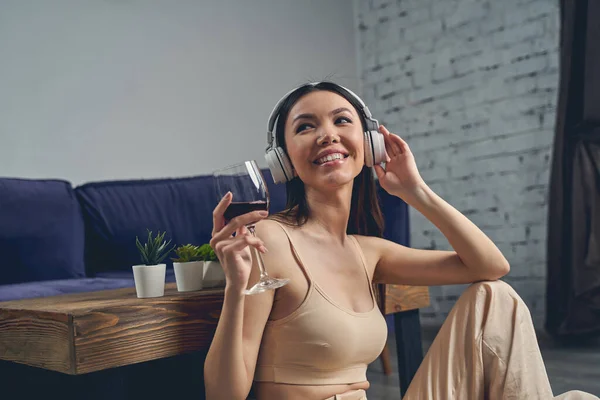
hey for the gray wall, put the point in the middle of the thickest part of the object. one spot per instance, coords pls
(472, 87)
(93, 90)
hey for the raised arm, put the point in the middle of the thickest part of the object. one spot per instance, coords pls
(231, 359)
(475, 256)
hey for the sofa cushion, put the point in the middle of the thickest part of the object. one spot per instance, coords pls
(396, 217)
(277, 196)
(116, 212)
(41, 231)
(30, 290)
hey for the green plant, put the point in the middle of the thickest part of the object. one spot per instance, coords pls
(155, 249)
(187, 253)
(207, 253)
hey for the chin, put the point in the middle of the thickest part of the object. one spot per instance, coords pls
(337, 178)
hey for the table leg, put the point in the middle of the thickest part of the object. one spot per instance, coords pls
(409, 346)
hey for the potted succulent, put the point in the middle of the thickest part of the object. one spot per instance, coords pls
(188, 268)
(213, 276)
(149, 276)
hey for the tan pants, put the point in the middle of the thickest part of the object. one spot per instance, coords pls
(358, 394)
(486, 349)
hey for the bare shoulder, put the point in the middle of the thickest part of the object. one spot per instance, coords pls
(370, 241)
(371, 244)
(270, 232)
(372, 247)
(377, 245)
(276, 242)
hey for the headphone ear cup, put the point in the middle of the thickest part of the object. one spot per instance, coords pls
(368, 150)
(374, 148)
(279, 164)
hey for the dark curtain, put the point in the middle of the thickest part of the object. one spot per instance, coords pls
(573, 286)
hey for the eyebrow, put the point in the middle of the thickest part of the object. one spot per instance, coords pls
(312, 116)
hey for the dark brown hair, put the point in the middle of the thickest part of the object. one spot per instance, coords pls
(365, 214)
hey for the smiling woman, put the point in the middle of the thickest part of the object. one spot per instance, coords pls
(341, 108)
(314, 338)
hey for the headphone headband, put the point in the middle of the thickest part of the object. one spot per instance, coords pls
(374, 124)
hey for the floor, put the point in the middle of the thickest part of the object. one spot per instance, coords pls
(569, 368)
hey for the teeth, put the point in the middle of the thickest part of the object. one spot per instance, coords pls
(330, 157)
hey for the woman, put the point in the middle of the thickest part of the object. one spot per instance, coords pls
(313, 338)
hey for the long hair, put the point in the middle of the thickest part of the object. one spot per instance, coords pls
(365, 214)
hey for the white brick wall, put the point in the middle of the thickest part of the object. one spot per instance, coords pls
(472, 87)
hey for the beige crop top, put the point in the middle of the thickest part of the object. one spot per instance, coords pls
(321, 343)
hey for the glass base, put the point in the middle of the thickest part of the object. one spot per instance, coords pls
(266, 283)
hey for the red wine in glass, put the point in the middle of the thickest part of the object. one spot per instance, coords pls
(249, 189)
(239, 208)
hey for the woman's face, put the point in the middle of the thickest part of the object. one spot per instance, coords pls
(324, 140)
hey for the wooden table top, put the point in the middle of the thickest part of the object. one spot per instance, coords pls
(82, 303)
(87, 332)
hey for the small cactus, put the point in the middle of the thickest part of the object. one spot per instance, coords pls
(207, 253)
(155, 250)
(187, 253)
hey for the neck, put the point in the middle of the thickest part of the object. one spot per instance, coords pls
(330, 211)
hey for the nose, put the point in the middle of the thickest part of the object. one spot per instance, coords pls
(327, 137)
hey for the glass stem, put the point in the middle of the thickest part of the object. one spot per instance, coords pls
(261, 265)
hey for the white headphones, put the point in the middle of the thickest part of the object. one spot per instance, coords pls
(279, 163)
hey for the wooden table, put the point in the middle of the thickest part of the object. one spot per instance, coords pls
(82, 333)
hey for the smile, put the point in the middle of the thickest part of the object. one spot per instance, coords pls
(330, 158)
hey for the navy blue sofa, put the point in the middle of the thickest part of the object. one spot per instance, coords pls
(57, 239)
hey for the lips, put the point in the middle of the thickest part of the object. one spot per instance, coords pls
(330, 155)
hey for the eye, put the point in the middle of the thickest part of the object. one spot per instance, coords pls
(343, 120)
(303, 127)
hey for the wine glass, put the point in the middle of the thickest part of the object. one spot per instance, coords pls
(247, 184)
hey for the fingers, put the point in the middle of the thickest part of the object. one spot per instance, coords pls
(396, 144)
(403, 144)
(241, 242)
(388, 144)
(384, 130)
(238, 222)
(218, 218)
(391, 147)
(379, 171)
(242, 230)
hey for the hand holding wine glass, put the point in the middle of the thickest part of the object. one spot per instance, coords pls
(234, 251)
(245, 201)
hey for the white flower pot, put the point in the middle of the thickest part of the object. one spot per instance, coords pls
(188, 275)
(149, 280)
(214, 276)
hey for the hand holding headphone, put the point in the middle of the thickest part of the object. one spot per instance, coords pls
(279, 163)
